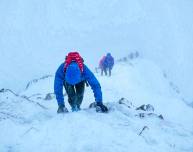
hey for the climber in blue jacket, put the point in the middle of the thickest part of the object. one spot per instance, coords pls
(73, 74)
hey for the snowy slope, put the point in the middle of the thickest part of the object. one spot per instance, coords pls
(36, 35)
(30, 123)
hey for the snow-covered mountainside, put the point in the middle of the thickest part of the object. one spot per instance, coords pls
(36, 35)
(28, 121)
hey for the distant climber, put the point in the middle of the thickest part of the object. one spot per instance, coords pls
(73, 74)
(102, 66)
(108, 63)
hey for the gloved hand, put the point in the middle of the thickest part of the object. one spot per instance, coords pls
(100, 107)
(62, 109)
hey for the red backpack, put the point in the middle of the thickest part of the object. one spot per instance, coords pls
(74, 57)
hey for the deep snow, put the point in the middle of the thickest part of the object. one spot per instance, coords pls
(25, 126)
(36, 36)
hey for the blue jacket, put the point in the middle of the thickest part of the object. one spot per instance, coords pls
(87, 75)
(109, 62)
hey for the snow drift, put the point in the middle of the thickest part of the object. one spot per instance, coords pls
(28, 121)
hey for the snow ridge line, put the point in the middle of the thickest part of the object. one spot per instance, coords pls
(23, 97)
(36, 80)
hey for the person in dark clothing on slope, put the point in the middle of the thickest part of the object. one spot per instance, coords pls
(102, 66)
(108, 63)
(73, 74)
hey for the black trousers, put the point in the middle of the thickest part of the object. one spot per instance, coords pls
(75, 93)
(105, 71)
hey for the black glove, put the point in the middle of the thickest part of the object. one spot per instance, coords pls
(62, 109)
(100, 107)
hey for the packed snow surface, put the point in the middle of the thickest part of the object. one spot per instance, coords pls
(28, 122)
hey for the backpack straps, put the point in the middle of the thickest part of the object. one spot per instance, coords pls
(73, 57)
